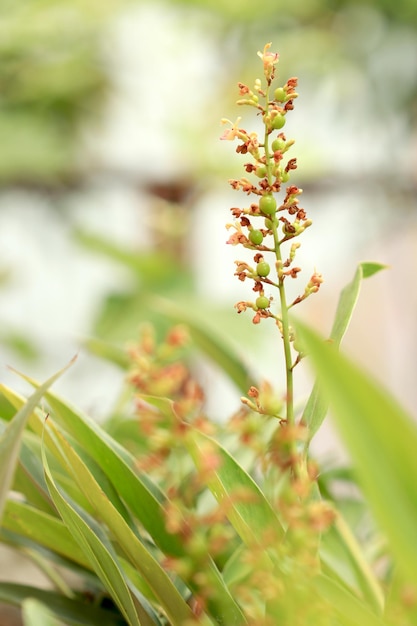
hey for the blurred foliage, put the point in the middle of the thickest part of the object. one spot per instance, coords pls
(51, 77)
(53, 74)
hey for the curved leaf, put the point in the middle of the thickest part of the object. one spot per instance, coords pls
(316, 406)
(44, 529)
(97, 549)
(144, 499)
(35, 613)
(73, 611)
(351, 611)
(11, 436)
(381, 439)
(251, 515)
(163, 588)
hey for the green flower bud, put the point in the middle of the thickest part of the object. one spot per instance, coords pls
(263, 269)
(280, 94)
(268, 204)
(262, 302)
(278, 121)
(278, 144)
(261, 171)
(256, 237)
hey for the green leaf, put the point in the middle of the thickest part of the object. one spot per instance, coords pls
(351, 611)
(250, 515)
(37, 614)
(73, 611)
(342, 555)
(97, 549)
(144, 499)
(163, 588)
(381, 439)
(11, 437)
(316, 406)
(47, 530)
(210, 341)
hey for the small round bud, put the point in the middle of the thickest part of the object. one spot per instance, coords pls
(268, 204)
(279, 94)
(278, 144)
(261, 171)
(268, 223)
(256, 237)
(263, 269)
(278, 121)
(262, 302)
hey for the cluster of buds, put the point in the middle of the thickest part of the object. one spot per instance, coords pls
(266, 224)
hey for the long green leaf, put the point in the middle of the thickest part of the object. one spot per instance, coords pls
(144, 499)
(342, 555)
(11, 437)
(252, 514)
(35, 613)
(76, 612)
(97, 549)
(316, 407)
(351, 611)
(381, 439)
(44, 529)
(176, 608)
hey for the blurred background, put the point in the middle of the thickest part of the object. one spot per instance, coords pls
(113, 183)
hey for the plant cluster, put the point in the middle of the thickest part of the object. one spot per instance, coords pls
(171, 518)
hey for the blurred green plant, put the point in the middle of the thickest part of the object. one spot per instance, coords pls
(51, 78)
(169, 517)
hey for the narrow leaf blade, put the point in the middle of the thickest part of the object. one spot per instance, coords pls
(381, 439)
(100, 555)
(11, 437)
(316, 407)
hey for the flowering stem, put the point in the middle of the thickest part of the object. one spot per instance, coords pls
(266, 173)
(285, 329)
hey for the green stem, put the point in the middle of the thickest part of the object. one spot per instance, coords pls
(281, 287)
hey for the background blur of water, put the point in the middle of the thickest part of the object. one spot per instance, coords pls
(105, 118)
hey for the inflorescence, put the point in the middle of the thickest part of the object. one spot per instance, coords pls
(265, 225)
